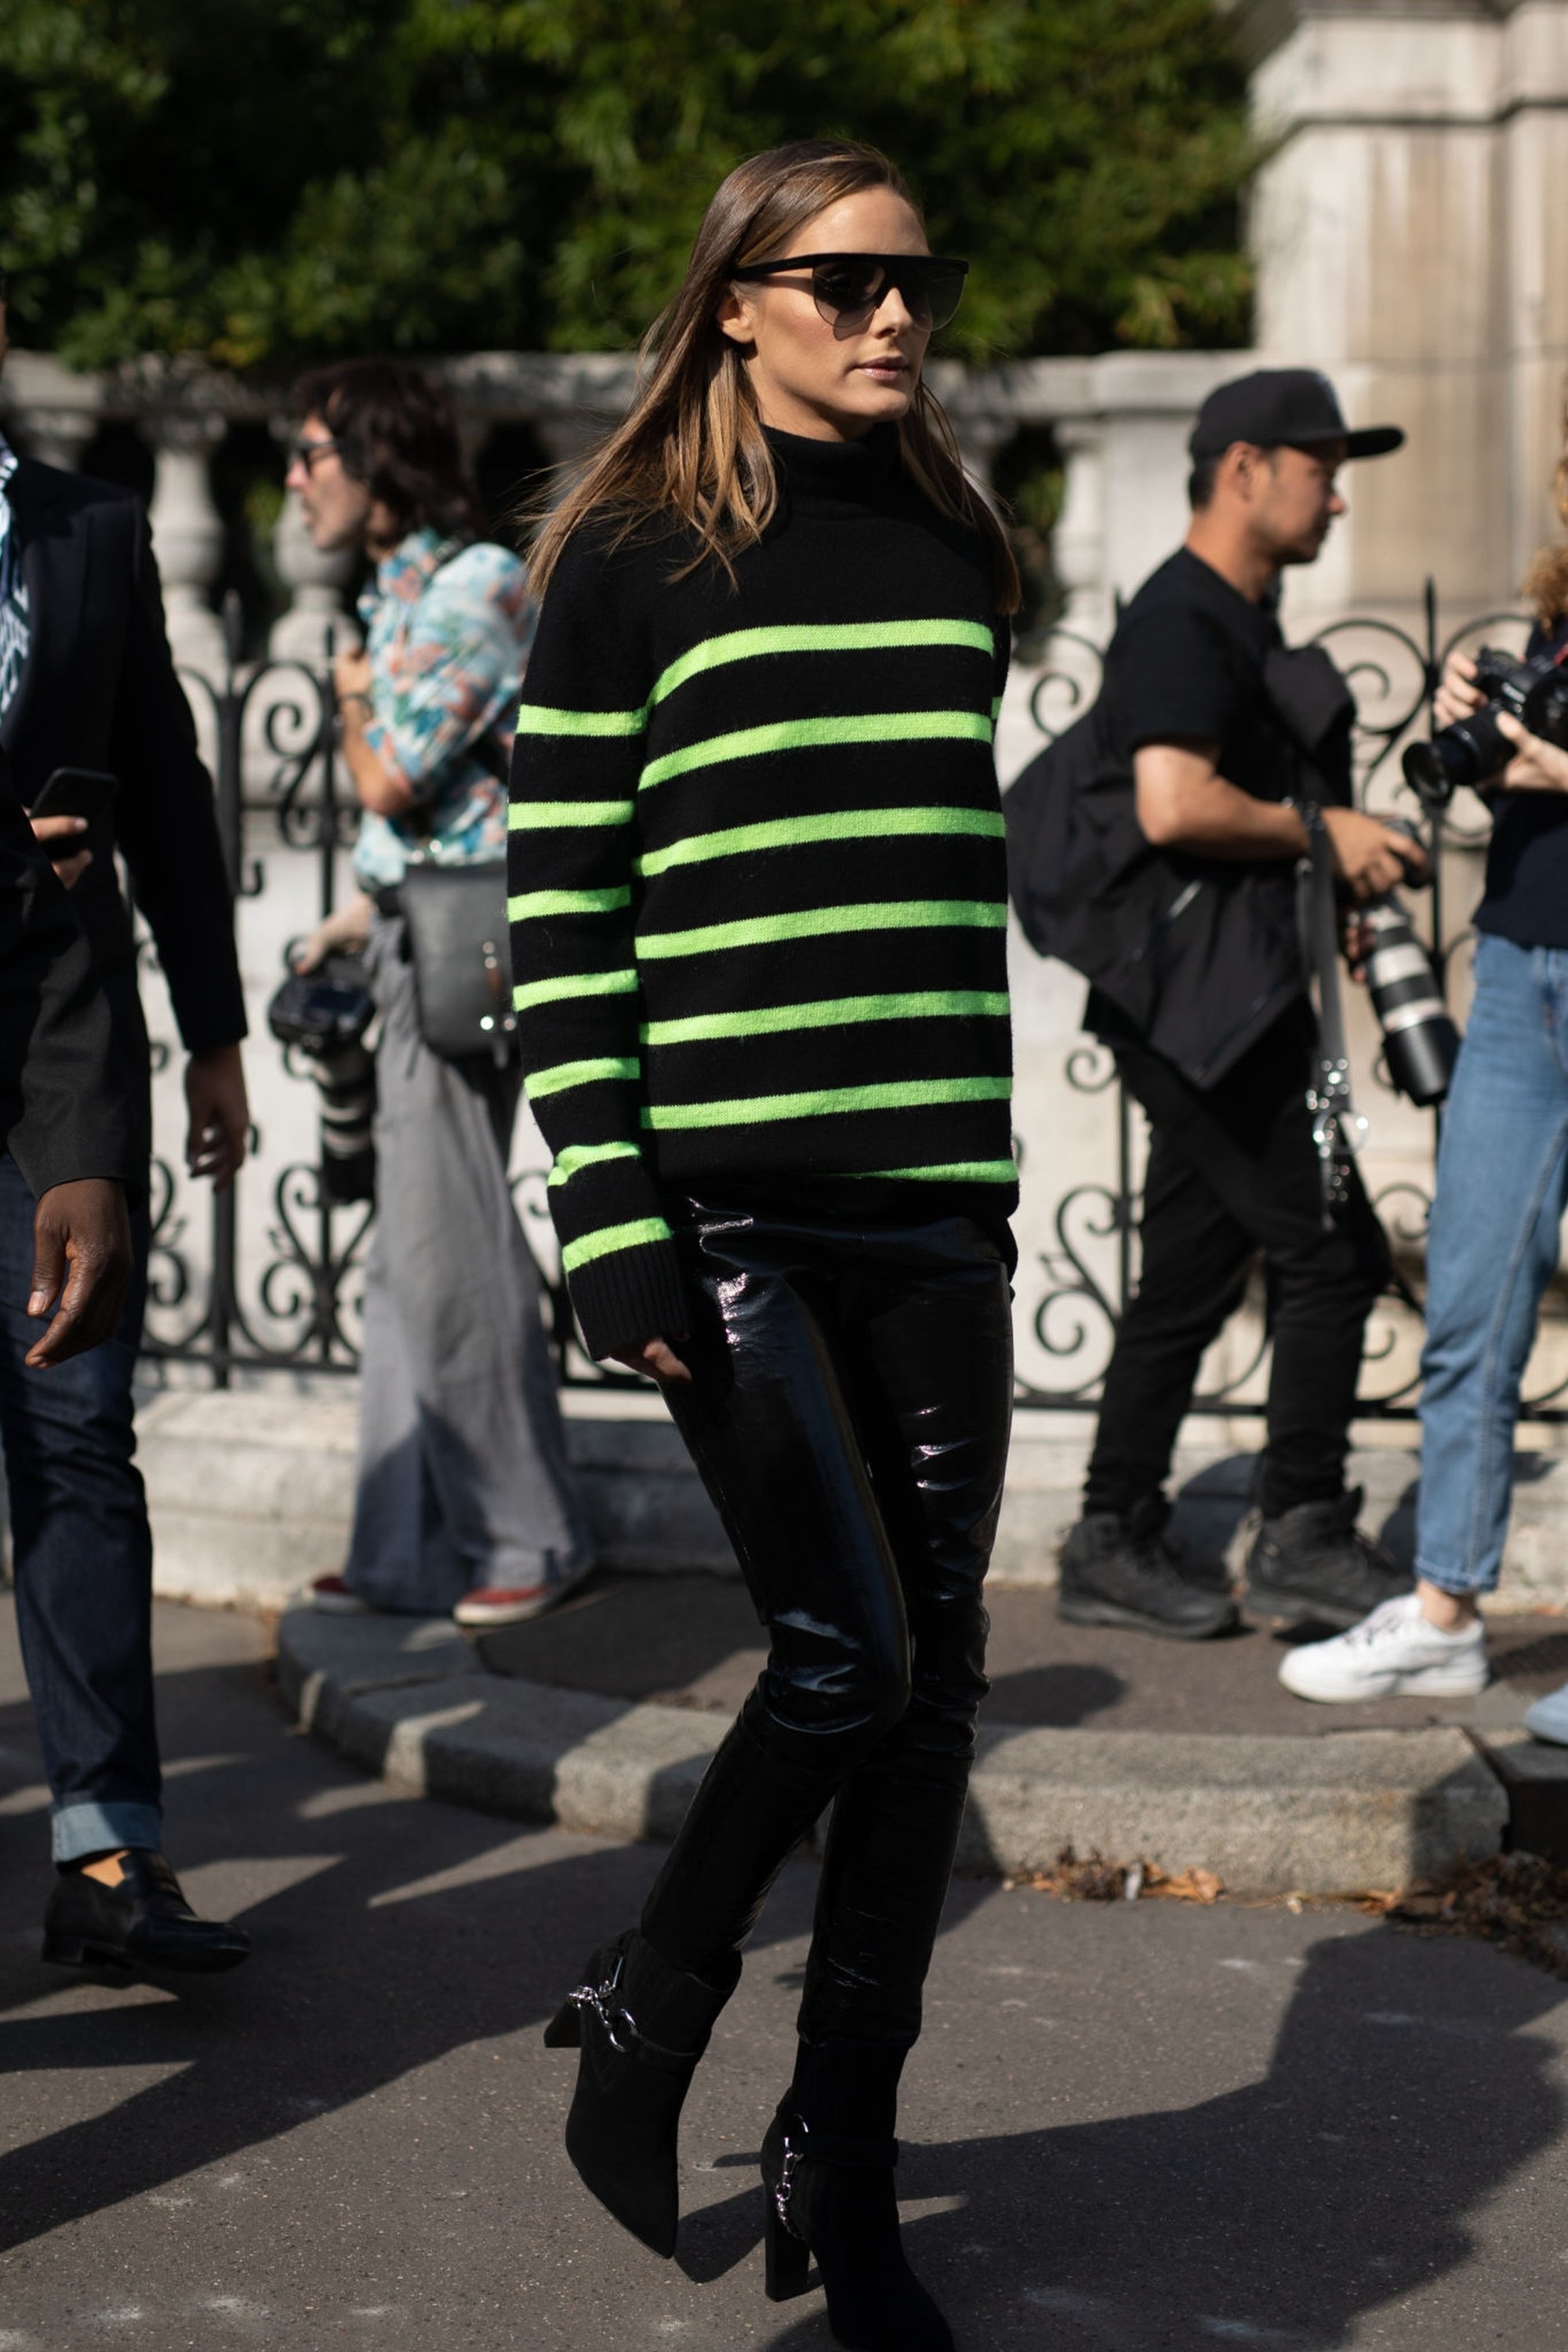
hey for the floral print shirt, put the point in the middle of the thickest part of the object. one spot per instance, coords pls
(447, 629)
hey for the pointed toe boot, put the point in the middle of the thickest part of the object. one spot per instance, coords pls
(640, 2026)
(829, 2192)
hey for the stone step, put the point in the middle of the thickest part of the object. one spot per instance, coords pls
(409, 1700)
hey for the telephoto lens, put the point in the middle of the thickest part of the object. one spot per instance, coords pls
(345, 1076)
(1420, 1042)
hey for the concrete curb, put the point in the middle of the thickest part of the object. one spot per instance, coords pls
(1335, 1814)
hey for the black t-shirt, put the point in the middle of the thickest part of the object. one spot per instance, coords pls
(1526, 895)
(1186, 666)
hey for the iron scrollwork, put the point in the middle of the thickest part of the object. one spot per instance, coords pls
(298, 1308)
(1073, 1294)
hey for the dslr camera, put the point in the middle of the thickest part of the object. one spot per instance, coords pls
(1534, 692)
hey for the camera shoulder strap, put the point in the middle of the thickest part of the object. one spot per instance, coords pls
(1335, 1125)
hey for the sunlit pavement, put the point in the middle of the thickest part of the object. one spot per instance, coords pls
(1139, 2125)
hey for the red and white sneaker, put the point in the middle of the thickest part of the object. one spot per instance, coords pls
(488, 1605)
(335, 1599)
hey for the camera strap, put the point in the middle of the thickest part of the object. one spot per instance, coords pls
(1336, 1127)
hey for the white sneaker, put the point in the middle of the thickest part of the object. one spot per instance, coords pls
(1393, 1652)
(1548, 1718)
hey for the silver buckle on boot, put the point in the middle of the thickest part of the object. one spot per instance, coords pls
(610, 2014)
(791, 2156)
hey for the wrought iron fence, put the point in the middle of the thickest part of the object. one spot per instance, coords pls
(279, 1289)
(1084, 1274)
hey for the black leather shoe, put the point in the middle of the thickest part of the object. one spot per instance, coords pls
(143, 1923)
(1314, 1566)
(1118, 1569)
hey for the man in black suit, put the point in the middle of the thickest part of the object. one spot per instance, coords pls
(87, 682)
(65, 1116)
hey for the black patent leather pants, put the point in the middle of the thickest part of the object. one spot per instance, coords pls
(849, 1412)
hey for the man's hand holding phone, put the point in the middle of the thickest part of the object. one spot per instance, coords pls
(70, 800)
(61, 836)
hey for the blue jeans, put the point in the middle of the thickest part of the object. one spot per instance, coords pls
(1502, 1184)
(82, 1555)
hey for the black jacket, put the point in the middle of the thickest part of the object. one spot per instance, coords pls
(1194, 956)
(64, 1109)
(99, 692)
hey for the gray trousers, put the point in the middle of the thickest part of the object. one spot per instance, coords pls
(463, 1478)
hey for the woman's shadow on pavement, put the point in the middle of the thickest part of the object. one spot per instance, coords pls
(1404, 2090)
(1275, 2215)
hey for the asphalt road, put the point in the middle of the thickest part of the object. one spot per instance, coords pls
(1146, 2126)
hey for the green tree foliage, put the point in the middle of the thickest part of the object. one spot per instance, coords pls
(260, 180)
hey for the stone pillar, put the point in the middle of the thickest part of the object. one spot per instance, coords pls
(187, 534)
(1532, 110)
(566, 436)
(1078, 544)
(1395, 251)
(56, 437)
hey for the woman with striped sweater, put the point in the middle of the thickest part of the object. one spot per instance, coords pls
(758, 941)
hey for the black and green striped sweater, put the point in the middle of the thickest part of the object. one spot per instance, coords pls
(757, 875)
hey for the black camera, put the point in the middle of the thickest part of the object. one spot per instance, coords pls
(325, 1015)
(1534, 692)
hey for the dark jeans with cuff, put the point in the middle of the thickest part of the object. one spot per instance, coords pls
(849, 1414)
(1231, 1172)
(81, 1555)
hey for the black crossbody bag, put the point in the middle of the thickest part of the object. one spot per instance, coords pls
(456, 922)
(457, 927)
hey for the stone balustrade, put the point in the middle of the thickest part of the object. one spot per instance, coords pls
(1119, 422)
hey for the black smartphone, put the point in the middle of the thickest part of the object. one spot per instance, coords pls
(76, 792)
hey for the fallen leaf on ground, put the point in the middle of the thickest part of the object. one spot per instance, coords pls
(1508, 1899)
(1095, 1880)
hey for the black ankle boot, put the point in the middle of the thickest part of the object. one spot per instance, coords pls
(1120, 1569)
(1313, 1565)
(828, 2175)
(641, 2025)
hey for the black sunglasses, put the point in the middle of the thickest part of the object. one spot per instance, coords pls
(848, 289)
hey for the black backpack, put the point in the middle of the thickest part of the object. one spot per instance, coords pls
(1200, 955)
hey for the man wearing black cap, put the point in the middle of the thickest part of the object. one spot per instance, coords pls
(1201, 992)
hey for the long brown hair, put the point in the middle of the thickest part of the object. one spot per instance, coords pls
(691, 450)
(1546, 581)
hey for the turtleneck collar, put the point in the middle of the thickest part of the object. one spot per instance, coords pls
(839, 478)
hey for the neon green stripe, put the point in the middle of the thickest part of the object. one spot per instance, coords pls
(830, 1012)
(573, 983)
(538, 816)
(839, 824)
(900, 1093)
(545, 718)
(578, 1156)
(996, 709)
(820, 922)
(819, 638)
(956, 1172)
(818, 734)
(579, 1074)
(534, 903)
(613, 1237)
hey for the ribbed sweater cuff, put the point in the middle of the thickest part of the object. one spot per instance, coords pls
(629, 1297)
